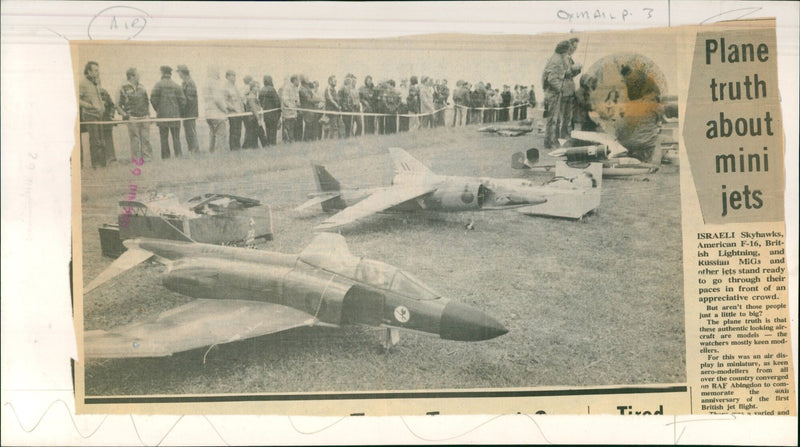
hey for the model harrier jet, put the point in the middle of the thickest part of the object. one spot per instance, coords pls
(572, 194)
(243, 293)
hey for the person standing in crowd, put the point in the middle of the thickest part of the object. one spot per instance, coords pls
(531, 98)
(358, 124)
(495, 100)
(523, 102)
(92, 108)
(467, 102)
(190, 109)
(253, 130)
(346, 104)
(366, 96)
(290, 101)
(515, 115)
(559, 87)
(426, 106)
(271, 104)
(310, 119)
(215, 109)
(458, 104)
(477, 100)
(402, 107)
(134, 105)
(440, 95)
(299, 126)
(488, 113)
(583, 104)
(234, 103)
(505, 102)
(412, 103)
(391, 99)
(109, 112)
(332, 105)
(168, 100)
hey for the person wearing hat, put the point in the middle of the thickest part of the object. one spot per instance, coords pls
(190, 109)
(168, 100)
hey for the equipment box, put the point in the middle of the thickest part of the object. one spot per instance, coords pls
(211, 218)
(110, 242)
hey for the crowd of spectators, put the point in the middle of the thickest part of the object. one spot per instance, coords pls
(298, 110)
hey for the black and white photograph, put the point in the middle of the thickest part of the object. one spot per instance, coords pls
(431, 214)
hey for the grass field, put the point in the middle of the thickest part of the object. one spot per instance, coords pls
(597, 302)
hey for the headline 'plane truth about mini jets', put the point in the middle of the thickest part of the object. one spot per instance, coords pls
(243, 293)
(572, 194)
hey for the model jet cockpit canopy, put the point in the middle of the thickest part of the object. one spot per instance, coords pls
(390, 277)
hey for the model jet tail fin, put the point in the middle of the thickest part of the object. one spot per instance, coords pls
(404, 163)
(325, 181)
(129, 259)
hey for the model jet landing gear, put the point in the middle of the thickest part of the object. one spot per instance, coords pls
(391, 338)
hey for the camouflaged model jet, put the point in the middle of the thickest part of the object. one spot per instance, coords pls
(243, 293)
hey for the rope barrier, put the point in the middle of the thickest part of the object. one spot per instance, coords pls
(300, 109)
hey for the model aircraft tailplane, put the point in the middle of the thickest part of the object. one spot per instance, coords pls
(329, 193)
(319, 199)
(129, 259)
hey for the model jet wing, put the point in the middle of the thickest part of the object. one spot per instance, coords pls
(199, 323)
(379, 201)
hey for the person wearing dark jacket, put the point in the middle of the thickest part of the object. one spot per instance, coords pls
(269, 99)
(310, 120)
(505, 103)
(583, 105)
(108, 129)
(190, 109)
(366, 95)
(168, 100)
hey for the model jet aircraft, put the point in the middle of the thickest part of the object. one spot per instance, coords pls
(509, 130)
(589, 147)
(243, 293)
(417, 188)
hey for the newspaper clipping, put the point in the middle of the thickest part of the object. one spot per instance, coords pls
(444, 224)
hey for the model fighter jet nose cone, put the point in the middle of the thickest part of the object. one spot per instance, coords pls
(463, 323)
